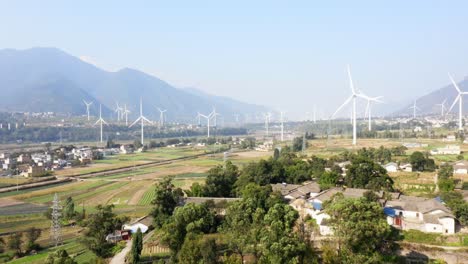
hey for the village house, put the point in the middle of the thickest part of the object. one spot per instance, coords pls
(391, 167)
(449, 138)
(9, 163)
(460, 167)
(405, 212)
(266, 146)
(423, 214)
(34, 171)
(447, 150)
(24, 158)
(406, 167)
(126, 149)
(295, 191)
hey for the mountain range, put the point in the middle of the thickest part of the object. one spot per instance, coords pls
(428, 104)
(48, 79)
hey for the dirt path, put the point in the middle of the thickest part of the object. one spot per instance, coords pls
(119, 258)
(137, 196)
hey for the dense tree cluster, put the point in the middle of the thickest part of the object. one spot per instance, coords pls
(421, 162)
(365, 173)
(99, 224)
(360, 228)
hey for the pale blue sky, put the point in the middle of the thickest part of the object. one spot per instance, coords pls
(286, 54)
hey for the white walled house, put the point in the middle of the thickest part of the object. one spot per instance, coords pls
(460, 167)
(407, 167)
(447, 150)
(391, 167)
(426, 215)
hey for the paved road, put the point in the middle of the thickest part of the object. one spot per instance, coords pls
(119, 258)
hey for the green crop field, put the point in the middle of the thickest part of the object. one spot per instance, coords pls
(148, 196)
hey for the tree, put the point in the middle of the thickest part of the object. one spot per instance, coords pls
(279, 243)
(196, 190)
(189, 219)
(445, 171)
(421, 162)
(358, 224)
(276, 154)
(137, 246)
(137, 144)
(32, 234)
(220, 181)
(69, 209)
(14, 243)
(197, 249)
(446, 185)
(364, 173)
(328, 180)
(167, 197)
(60, 257)
(2, 244)
(99, 224)
(417, 161)
(298, 143)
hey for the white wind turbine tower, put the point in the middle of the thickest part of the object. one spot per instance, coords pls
(198, 118)
(88, 104)
(142, 119)
(161, 116)
(118, 110)
(459, 98)
(282, 126)
(125, 113)
(352, 98)
(214, 115)
(442, 107)
(267, 121)
(370, 100)
(208, 118)
(100, 121)
(415, 108)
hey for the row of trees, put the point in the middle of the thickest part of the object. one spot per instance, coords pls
(75, 134)
(288, 167)
(22, 242)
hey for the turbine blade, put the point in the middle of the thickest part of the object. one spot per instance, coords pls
(146, 119)
(343, 105)
(454, 102)
(351, 85)
(136, 121)
(454, 83)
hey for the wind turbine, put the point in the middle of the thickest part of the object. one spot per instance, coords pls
(459, 98)
(100, 121)
(142, 119)
(442, 107)
(352, 98)
(161, 116)
(208, 118)
(214, 115)
(282, 126)
(368, 107)
(415, 108)
(118, 110)
(126, 112)
(198, 118)
(267, 121)
(88, 104)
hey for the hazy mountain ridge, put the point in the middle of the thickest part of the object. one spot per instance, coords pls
(427, 104)
(48, 79)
